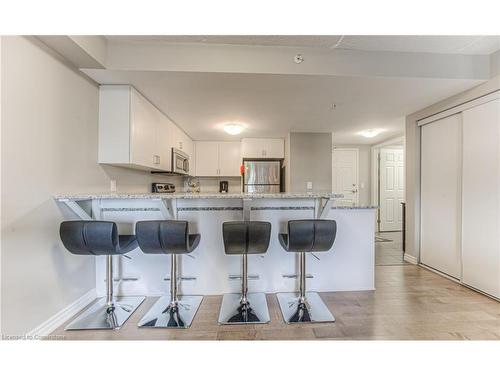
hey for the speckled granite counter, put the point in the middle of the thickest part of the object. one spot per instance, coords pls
(80, 196)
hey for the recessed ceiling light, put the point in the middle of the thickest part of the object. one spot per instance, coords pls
(233, 128)
(370, 133)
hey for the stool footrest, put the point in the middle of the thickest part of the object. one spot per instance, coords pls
(117, 279)
(294, 276)
(183, 278)
(239, 277)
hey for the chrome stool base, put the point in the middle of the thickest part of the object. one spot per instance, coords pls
(103, 316)
(162, 315)
(313, 310)
(233, 312)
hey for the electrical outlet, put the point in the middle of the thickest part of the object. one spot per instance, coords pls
(309, 185)
(112, 186)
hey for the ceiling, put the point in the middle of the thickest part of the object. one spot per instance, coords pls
(271, 105)
(452, 44)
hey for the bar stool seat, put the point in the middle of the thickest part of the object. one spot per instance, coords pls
(243, 238)
(305, 236)
(169, 237)
(100, 238)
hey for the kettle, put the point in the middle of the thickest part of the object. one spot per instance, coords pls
(223, 187)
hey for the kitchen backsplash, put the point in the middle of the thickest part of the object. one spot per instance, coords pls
(211, 184)
(129, 180)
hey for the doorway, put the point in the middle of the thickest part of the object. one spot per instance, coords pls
(345, 175)
(388, 188)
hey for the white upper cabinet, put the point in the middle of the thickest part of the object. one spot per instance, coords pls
(145, 123)
(217, 158)
(183, 142)
(207, 158)
(229, 158)
(263, 148)
(134, 133)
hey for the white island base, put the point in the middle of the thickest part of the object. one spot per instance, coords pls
(348, 266)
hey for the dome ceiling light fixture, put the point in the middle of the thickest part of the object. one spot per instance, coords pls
(233, 128)
(370, 133)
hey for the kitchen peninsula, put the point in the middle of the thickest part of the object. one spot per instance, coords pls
(348, 267)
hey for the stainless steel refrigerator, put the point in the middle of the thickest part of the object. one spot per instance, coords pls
(262, 176)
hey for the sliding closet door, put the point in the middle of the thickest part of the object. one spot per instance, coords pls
(481, 198)
(440, 195)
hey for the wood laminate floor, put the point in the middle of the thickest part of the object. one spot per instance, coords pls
(410, 303)
(389, 249)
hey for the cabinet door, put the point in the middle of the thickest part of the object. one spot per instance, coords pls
(187, 144)
(481, 198)
(164, 141)
(440, 195)
(274, 148)
(207, 158)
(252, 148)
(143, 150)
(229, 158)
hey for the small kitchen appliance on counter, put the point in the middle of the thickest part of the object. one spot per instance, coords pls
(162, 187)
(223, 187)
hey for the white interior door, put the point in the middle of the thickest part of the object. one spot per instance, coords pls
(481, 198)
(345, 174)
(391, 190)
(440, 195)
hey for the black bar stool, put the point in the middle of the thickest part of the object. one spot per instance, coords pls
(100, 238)
(243, 238)
(306, 236)
(169, 237)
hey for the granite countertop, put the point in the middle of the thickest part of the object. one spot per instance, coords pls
(117, 195)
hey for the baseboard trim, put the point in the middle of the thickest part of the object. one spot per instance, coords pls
(56, 320)
(410, 259)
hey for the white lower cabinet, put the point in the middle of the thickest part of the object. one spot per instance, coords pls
(460, 196)
(481, 198)
(214, 159)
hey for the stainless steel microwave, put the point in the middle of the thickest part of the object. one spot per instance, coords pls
(180, 161)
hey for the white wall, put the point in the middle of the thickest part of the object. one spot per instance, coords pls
(412, 157)
(48, 145)
(495, 64)
(310, 159)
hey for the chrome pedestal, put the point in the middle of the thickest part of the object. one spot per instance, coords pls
(163, 314)
(254, 311)
(172, 311)
(109, 312)
(244, 308)
(302, 306)
(102, 315)
(310, 309)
